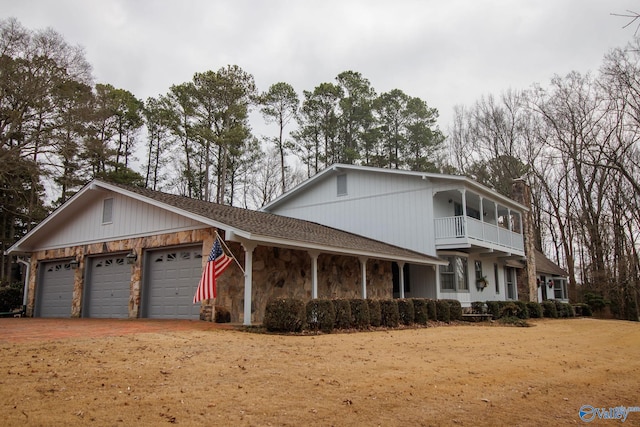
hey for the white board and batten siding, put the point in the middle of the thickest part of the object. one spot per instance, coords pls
(130, 218)
(396, 209)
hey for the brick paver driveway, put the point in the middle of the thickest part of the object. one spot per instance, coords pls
(15, 330)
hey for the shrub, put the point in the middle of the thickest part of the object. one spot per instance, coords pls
(284, 315)
(510, 310)
(320, 315)
(10, 297)
(549, 309)
(595, 301)
(493, 308)
(565, 310)
(420, 311)
(406, 312)
(389, 315)
(455, 309)
(443, 312)
(359, 313)
(223, 315)
(431, 310)
(343, 314)
(535, 309)
(582, 309)
(514, 321)
(375, 317)
(523, 311)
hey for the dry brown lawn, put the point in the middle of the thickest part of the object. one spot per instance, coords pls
(464, 375)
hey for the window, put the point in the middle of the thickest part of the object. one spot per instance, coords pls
(560, 289)
(510, 276)
(342, 185)
(496, 276)
(107, 211)
(454, 277)
(478, 268)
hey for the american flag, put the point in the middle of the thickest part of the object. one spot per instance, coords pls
(218, 261)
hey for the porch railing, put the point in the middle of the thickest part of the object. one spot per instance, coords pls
(450, 229)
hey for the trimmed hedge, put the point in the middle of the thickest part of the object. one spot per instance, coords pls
(523, 311)
(343, 314)
(455, 309)
(535, 310)
(564, 309)
(493, 308)
(443, 311)
(284, 315)
(360, 317)
(431, 310)
(420, 311)
(389, 315)
(375, 316)
(320, 315)
(406, 311)
(549, 309)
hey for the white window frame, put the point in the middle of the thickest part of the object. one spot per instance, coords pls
(107, 211)
(458, 267)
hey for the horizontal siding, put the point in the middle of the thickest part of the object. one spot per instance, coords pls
(130, 218)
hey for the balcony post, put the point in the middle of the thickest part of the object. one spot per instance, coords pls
(482, 215)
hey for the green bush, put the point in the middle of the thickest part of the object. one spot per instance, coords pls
(549, 309)
(10, 297)
(284, 315)
(582, 309)
(443, 311)
(431, 310)
(493, 308)
(343, 314)
(389, 315)
(320, 315)
(523, 311)
(510, 309)
(595, 301)
(455, 309)
(406, 312)
(420, 311)
(223, 315)
(359, 313)
(565, 310)
(535, 309)
(375, 317)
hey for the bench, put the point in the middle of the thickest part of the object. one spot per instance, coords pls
(476, 317)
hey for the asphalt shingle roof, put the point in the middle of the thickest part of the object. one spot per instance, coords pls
(262, 224)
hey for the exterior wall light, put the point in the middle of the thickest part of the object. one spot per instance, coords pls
(132, 257)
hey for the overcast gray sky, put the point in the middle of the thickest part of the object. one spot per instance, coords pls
(446, 52)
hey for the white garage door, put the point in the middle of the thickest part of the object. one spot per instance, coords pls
(55, 290)
(107, 290)
(171, 281)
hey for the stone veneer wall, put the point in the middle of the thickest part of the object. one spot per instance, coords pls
(281, 272)
(203, 236)
(277, 272)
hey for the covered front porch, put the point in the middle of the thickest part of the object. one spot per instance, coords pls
(466, 219)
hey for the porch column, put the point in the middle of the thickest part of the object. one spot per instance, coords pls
(510, 227)
(314, 273)
(363, 268)
(464, 202)
(482, 215)
(248, 279)
(401, 278)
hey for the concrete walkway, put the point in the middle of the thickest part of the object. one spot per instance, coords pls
(25, 330)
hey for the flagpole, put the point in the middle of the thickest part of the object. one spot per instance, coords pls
(229, 250)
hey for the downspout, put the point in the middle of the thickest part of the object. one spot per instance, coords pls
(25, 289)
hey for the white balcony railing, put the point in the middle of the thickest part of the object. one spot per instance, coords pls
(467, 230)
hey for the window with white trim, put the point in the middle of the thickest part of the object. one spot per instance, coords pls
(107, 211)
(454, 277)
(341, 181)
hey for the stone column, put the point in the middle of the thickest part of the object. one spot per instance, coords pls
(522, 194)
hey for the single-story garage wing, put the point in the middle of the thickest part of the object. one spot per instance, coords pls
(125, 252)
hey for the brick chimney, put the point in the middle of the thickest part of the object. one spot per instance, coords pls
(527, 286)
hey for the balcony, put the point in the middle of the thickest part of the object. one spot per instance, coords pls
(457, 232)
